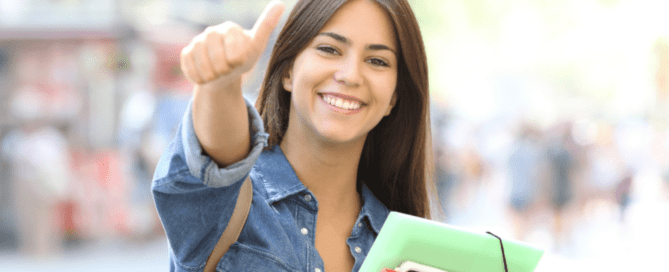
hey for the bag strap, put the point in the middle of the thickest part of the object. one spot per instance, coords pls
(234, 228)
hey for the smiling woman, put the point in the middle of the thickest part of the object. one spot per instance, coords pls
(338, 66)
(396, 149)
(345, 106)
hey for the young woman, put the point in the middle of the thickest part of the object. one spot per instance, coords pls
(340, 137)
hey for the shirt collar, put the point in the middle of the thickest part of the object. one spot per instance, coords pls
(373, 209)
(284, 183)
(277, 176)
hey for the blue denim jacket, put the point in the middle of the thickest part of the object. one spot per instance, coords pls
(195, 199)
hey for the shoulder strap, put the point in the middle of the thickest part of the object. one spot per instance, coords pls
(234, 228)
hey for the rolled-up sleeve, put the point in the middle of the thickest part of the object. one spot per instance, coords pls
(194, 197)
(203, 167)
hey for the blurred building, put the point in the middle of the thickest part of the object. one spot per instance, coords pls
(105, 76)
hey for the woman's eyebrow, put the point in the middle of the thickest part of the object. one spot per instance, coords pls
(344, 40)
(336, 36)
(381, 47)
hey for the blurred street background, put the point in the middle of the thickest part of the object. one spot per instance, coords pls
(550, 125)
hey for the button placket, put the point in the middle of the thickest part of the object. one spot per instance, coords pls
(306, 214)
(357, 228)
(307, 220)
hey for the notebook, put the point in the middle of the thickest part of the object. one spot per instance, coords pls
(445, 247)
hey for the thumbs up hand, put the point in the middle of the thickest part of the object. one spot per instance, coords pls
(222, 53)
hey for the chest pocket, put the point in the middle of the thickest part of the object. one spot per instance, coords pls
(244, 258)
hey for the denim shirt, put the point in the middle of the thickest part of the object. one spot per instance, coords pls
(195, 199)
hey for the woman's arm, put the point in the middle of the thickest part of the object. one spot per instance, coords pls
(214, 62)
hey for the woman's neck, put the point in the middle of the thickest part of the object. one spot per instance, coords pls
(328, 170)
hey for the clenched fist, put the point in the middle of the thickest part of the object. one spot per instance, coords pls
(224, 52)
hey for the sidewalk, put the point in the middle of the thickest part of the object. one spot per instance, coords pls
(101, 256)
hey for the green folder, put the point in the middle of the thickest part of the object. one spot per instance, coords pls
(409, 238)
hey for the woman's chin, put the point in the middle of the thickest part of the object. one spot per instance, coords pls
(340, 138)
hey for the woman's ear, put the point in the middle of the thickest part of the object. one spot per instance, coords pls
(287, 80)
(393, 100)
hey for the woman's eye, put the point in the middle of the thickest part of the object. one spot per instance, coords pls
(378, 62)
(328, 49)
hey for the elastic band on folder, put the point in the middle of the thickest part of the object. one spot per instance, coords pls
(502, 245)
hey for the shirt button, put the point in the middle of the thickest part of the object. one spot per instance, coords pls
(304, 231)
(359, 225)
(357, 249)
(317, 269)
(307, 197)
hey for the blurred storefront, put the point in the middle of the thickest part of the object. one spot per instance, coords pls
(90, 96)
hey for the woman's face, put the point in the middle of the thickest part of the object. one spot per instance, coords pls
(343, 82)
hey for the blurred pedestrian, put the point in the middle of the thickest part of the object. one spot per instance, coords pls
(623, 191)
(446, 180)
(40, 167)
(523, 168)
(561, 163)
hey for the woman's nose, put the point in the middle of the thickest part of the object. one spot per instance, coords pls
(349, 73)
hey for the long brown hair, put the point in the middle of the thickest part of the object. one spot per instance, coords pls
(396, 159)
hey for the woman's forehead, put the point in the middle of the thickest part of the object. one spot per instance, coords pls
(362, 21)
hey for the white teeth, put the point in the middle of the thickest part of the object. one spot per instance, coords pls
(341, 103)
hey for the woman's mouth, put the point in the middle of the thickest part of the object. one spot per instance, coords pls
(341, 103)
